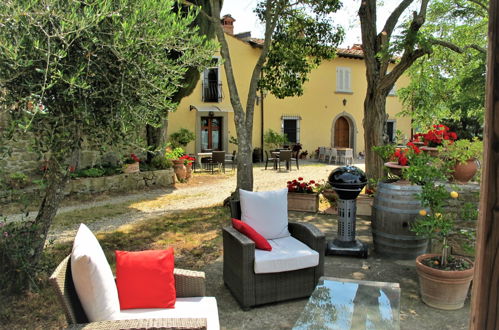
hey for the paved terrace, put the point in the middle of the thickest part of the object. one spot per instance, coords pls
(199, 193)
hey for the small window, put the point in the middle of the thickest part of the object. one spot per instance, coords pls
(291, 128)
(343, 80)
(391, 130)
(212, 85)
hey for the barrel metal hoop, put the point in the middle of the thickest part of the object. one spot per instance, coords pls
(394, 210)
(395, 201)
(398, 237)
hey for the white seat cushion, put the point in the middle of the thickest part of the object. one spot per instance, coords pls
(93, 278)
(287, 254)
(266, 212)
(191, 307)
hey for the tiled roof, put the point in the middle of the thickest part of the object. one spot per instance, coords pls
(355, 52)
(256, 41)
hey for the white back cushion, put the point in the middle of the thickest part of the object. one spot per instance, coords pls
(266, 212)
(287, 254)
(93, 278)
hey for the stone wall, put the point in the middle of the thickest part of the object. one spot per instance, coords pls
(116, 183)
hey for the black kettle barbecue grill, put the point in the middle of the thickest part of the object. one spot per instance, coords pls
(348, 182)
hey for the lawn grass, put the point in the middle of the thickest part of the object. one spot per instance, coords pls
(195, 235)
(97, 213)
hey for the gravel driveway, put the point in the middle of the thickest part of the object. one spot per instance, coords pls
(203, 190)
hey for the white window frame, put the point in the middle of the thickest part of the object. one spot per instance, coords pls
(297, 119)
(343, 79)
(219, 79)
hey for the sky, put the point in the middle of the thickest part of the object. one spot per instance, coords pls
(246, 20)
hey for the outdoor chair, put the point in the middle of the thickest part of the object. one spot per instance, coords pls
(251, 288)
(271, 159)
(322, 153)
(347, 157)
(295, 157)
(231, 159)
(331, 153)
(218, 160)
(193, 310)
(285, 156)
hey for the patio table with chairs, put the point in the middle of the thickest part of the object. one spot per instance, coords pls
(282, 155)
(340, 155)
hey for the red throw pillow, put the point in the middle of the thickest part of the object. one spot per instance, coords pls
(145, 279)
(260, 241)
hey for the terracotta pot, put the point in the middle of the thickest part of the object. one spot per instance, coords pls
(303, 202)
(431, 151)
(395, 168)
(443, 289)
(465, 172)
(188, 171)
(131, 168)
(179, 169)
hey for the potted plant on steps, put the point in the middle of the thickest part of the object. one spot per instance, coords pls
(444, 279)
(462, 157)
(435, 138)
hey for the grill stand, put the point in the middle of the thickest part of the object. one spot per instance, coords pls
(345, 242)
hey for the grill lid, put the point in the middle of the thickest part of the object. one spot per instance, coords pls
(347, 181)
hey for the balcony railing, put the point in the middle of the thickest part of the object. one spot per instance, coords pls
(212, 91)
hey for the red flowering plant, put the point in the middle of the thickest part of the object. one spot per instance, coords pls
(403, 156)
(187, 159)
(132, 158)
(436, 136)
(301, 186)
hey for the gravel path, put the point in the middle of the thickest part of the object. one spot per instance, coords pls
(203, 190)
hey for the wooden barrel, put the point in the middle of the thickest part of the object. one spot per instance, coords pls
(394, 210)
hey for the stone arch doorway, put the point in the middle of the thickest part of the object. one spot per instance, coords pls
(342, 133)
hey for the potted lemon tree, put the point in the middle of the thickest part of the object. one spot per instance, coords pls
(444, 279)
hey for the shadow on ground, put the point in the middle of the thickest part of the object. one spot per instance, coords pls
(414, 314)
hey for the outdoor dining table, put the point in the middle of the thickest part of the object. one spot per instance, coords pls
(341, 151)
(201, 155)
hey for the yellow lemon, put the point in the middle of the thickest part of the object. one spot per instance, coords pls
(422, 213)
(438, 215)
(454, 194)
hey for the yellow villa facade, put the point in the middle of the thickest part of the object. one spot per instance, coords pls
(329, 113)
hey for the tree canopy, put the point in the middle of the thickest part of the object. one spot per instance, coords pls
(404, 47)
(449, 86)
(90, 69)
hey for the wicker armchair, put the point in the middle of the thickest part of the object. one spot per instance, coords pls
(187, 283)
(252, 289)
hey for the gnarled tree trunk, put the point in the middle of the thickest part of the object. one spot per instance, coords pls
(374, 127)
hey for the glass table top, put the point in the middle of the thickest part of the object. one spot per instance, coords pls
(343, 304)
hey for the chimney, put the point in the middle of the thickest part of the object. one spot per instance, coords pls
(228, 24)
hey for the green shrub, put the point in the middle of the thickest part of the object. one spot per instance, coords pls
(160, 162)
(17, 248)
(18, 180)
(181, 138)
(176, 153)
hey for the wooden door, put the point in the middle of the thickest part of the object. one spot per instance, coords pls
(342, 133)
(211, 133)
